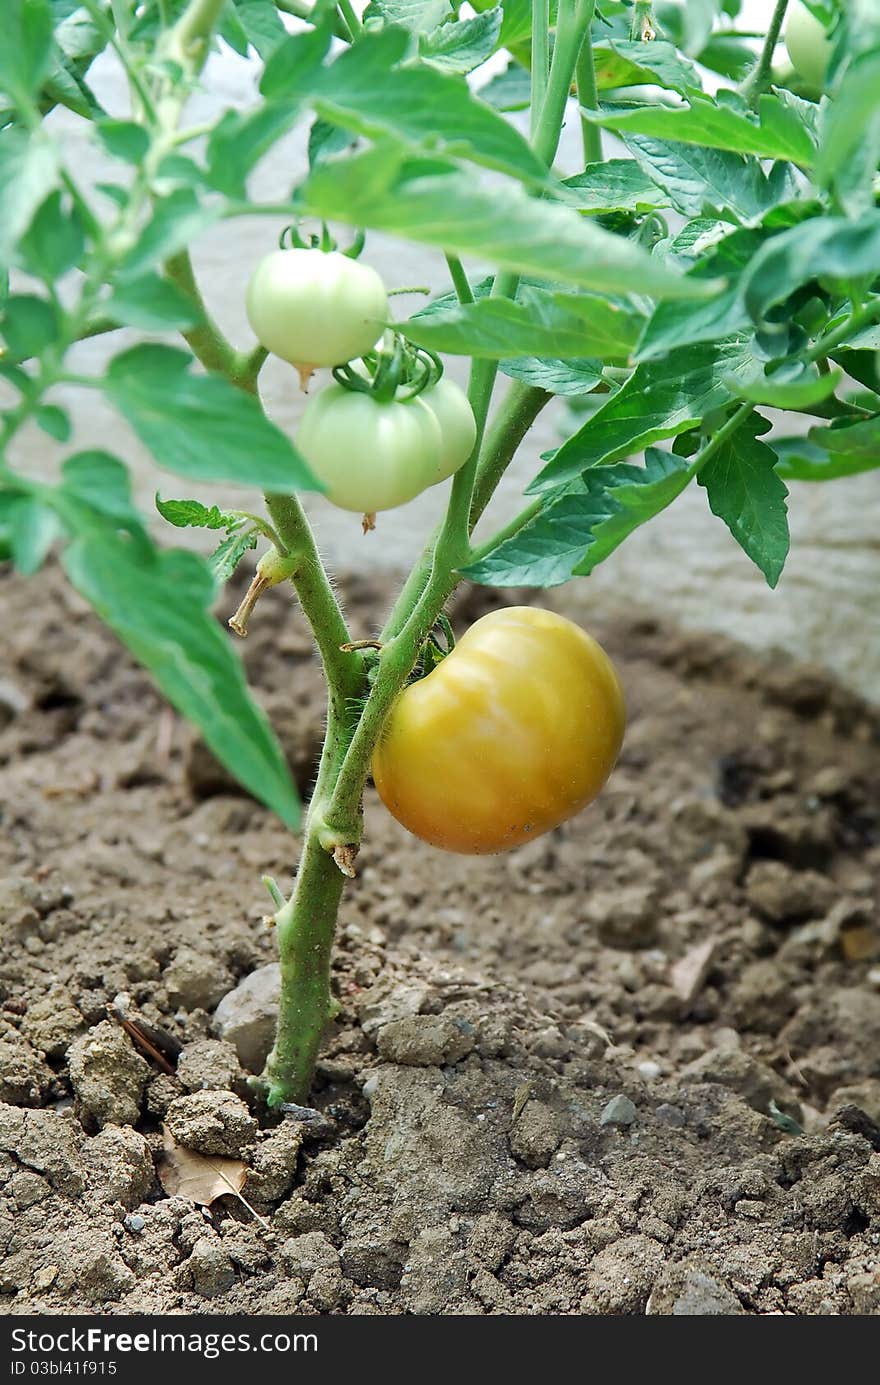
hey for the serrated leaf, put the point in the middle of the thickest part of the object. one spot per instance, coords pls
(807, 389)
(262, 24)
(537, 324)
(192, 514)
(152, 304)
(660, 399)
(295, 64)
(201, 426)
(100, 481)
(799, 459)
(746, 492)
(679, 323)
(511, 90)
(852, 441)
(569, 377)
(627, 63)
(464, 45)
(696, 179)
(450, 209)
(776, 132)
(578, 529)
(26, 50)
(228, 554)
(850, 139)
(419, 16)
(826, 246)
(156, 602)
(618, 185)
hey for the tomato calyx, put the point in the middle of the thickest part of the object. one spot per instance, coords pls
(292, 238)
(397, 371)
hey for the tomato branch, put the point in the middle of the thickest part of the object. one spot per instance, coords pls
(759, 78)
(587, 94)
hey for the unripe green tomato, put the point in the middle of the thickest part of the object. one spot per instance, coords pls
(315, 309)
(449, 405)
(809, 46)
(370, 455)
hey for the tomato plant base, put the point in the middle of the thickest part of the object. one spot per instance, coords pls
(480, 991)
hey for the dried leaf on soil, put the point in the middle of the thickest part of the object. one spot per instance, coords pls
(184, 1173)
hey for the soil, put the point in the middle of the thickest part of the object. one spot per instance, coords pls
(632, 1067)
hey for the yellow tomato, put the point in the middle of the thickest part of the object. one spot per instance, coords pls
(514, 732)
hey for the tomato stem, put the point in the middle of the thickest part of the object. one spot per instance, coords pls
(759, 78)
(587, 95)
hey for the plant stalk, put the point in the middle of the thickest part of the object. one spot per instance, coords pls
(759, 78)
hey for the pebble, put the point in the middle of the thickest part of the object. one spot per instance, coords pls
(246, 1016)
(134, 1223)
(619, 1112)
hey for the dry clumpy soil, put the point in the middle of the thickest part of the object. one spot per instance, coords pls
(634, 1066)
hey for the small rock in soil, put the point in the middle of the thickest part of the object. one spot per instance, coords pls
(52, 1022)
(625, 917)
(273, 1164)
(535, 1134)
(119, 1165)
(783, 895)
(304, 1255)
(211, 1123)
(209, 1063)
(686, 976)
(24, 1076)
(209, 1269)
(754, 1081)
(195, 981)
(388, 1000)
(620, 1112)
(423, 1041)
(246, 1016)
(683, 1290)
(108, 1077)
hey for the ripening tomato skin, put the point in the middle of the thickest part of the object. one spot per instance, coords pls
(315, 309)
(450, 406)
(808, 45)
(514, 732)
(370, 455)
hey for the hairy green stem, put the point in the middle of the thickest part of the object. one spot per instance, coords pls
(306, 927)
(759, 78)
(642, 27)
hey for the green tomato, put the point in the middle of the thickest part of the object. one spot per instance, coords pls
(809, 46)
(449, 405)
(370, 455)
(315, 309)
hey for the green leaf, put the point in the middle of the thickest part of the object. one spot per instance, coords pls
(825, 246)
(26, 50)
(679, 323)
(55, 242)
(432, 112)
(326, 140)
(696, 179)
(659, 400)
(799, 459)
(419, 16)
(850, 142)
(53, 420)
(156, 604)
(851, 441)
(462, 46)
(192, 514)
(576, 530)
(228, 554)
(777, 133)
(746, 492)
(537, 324)
(177, 221)
(239, 141)
(569, 377)
(618, 185)
(152, 304)
(96, 481)
(807, 389)
(123, 139)
(626, 63)
(262, 24)
(31, 529)
(295, 65)
(501, 224)
(201, 426)
(27, 174)
(511, 90)
(29, 325)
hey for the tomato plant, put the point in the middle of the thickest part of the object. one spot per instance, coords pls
(709, 257)
(515, 731)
